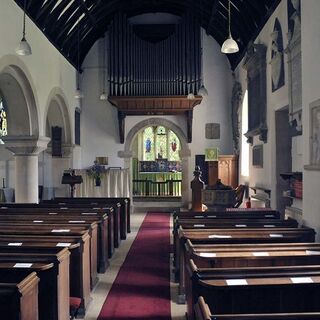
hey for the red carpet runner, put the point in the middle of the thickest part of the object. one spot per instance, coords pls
(141, 290)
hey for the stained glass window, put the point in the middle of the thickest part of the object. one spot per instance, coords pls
(148, 144)
(160, 143)
(174, 146)
(3, 118)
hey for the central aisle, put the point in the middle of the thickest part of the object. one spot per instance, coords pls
(141, 289)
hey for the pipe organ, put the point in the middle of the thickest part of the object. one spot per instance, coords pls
(140, 67)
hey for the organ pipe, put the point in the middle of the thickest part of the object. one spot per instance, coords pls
(137, 67)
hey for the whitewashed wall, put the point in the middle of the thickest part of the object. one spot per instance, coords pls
(310, 34)
(45, 69)
(99, 118)
(266, 176)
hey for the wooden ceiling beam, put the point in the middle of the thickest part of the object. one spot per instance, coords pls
(247, 22)
(214, 9)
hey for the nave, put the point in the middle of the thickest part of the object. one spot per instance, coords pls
(107, 279)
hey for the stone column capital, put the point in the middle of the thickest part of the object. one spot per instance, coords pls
(125, 154)
(25, 145)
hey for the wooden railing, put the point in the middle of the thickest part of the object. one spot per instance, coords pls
(167, 188)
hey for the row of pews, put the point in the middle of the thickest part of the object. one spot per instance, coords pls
(51, 254)
(246, 264)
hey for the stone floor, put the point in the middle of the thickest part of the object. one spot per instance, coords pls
(101, 290)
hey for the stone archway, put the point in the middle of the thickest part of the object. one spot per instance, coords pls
(185, 152)
(19, 92)
(56, 114)
(23, 138)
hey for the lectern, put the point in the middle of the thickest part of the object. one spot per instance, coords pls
(71, 179)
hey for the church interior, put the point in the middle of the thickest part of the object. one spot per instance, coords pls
(159, 159)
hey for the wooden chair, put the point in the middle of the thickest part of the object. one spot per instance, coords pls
(240, 190)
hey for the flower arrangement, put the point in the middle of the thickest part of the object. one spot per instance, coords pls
(95, 171)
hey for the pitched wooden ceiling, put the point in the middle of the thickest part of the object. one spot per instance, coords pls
(57, 19)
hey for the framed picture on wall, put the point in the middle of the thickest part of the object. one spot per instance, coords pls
(257, 156)
(211, 154)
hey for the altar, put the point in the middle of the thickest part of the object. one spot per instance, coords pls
(114, 183)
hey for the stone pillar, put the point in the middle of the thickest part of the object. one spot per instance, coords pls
(26, 150)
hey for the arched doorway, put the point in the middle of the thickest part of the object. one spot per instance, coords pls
(184, 152)
(57, 157)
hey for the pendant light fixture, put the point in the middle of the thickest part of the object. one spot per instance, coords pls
(78, 93)
(103, 95)
(230, 45)
(24, 48)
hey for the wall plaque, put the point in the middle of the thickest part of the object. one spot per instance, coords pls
(212, 130)
(257, 156)
(255, 64)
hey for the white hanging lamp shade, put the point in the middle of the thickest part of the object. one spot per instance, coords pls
(230, 45)
(24, 48)
(103, 96)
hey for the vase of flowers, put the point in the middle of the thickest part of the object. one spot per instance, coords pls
(95, 172)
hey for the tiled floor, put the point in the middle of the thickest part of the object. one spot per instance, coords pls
(101, 290)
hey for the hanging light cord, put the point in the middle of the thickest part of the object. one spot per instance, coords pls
(24, 19)
(229, 15)
(104, 64)
(78, 29)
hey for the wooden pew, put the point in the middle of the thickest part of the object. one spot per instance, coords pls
(256, 290)
(125, 208)
(229, 214)
(44, 218)
(106, 244)
(52, 267)
(233, 236)
(80, 205)
(238, 216)
(63, 229)
(271, 255)
(19, 297)
(120, 214)
(202, 312)
(80, 259)
(211, 223)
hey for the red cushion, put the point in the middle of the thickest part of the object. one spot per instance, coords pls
(75, 302)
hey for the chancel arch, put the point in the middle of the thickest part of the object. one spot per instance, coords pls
(184, 152)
